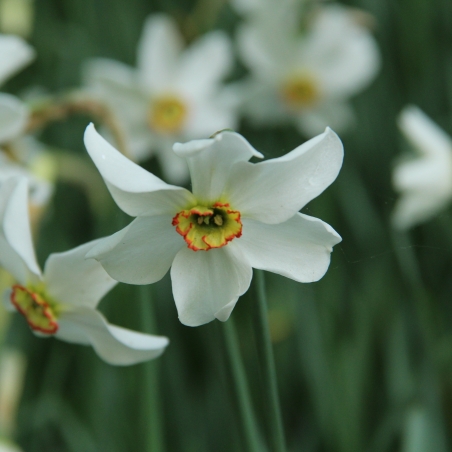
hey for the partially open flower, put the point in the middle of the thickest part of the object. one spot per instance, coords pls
(62, 300)
(240, 215)
(425, 181)
(174, 94)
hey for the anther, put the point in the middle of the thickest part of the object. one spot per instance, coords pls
(200, 220)
(218, 219)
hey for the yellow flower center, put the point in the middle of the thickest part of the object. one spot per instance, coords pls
(41, 314)
(167, 114)
(204, 228)
(300, 91)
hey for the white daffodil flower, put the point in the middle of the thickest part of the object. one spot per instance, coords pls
(240, 215)
(306, 78)
(15, 53)
(62, 300)
(174, 94)
(424, 182)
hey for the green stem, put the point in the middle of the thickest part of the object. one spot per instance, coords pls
(248, 419)
(151, 392)
(269, 372)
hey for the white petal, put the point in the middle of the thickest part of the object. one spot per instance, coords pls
(115, 345)
(135, 190)
(299, 248)
(16, 247)
(432, 174)
(142, 252)
(265, 55)
(116, 85)
(13, 117)
(204, 64)
(207, 284)
(15, 53)
(337, 115)
(343, 54)
(416, 207)
(104, 71)
(158, 52)
(274, 190)
(423, 133)
(209, 117)
(72, 279)
(210, 162)
(174, 168)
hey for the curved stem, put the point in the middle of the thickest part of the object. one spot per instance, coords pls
(151, 391)
(241, 387)
(269, 373)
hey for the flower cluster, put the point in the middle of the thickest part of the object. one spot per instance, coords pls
(239, 214)
(304, 77)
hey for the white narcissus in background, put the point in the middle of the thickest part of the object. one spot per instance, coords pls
(174, 94)
(15, 53)
(305, 78)
(61, 301)
(424, 182)
(18, 153)
(240, 215)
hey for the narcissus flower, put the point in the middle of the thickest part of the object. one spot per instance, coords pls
(174, 94)
(424, 182)
(15, 53)
(62, 300)
(305, 78)
(240, 215)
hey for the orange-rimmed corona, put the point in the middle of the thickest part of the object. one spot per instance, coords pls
(38, 312)
(205, 228)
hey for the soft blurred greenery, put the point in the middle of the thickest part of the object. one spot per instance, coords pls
(363, 357)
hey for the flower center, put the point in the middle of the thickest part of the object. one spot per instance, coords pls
(204, 228)
(40, 314)
(167, 114)
(300, 91)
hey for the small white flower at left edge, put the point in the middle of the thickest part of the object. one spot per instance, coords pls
(62, 300)
(15, 53)
(424, 181)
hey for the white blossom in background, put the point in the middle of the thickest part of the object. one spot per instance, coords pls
(424, 181)
(240, 215)
(173, 94)
(305, 78)
(19, 154)
(15, 53)
(62, 301)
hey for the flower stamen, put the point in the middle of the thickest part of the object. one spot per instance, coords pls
(300, 91)
(167, 114)
(37, 311)
(204, 228)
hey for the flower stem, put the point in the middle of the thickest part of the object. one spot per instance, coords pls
(151, 391)
(269, 373)
(248, 419)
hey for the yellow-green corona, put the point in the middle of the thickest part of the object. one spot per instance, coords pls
(204, 228)
(37, 308)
